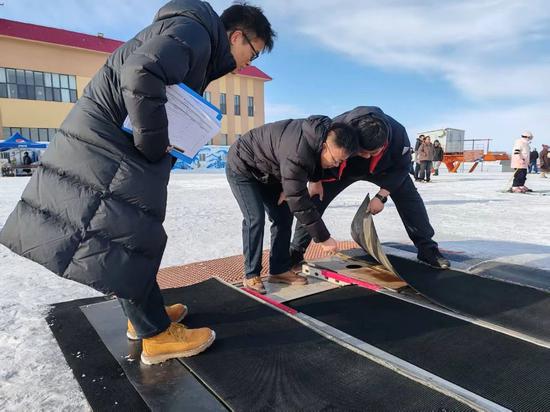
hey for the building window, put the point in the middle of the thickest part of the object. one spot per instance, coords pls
(237, 105)
(43, 135)
(51, 134)
(208, 96)
(251, 106)
(33, 133)
(223, 103)
(31, 85)
(223, 139)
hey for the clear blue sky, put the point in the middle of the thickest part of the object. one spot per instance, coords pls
(480, 65)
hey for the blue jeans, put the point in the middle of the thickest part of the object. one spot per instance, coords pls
(533, 166)
(255, 199)
(147, 314)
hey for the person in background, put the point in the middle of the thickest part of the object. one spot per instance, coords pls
(27, 161)
(438, 157)
(425, 155)
(418, 143)
(544, 161)
(533, 158)
(520, 162)
(93, 212)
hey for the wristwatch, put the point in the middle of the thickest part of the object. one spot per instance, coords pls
(383, 199)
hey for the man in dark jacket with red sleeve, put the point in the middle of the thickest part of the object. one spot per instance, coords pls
(268, 169)
(94, 209)
(384, 159)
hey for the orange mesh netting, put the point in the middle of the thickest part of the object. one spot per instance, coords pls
(229, 268)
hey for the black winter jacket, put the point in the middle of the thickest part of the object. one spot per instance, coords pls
(393, 168)
(438, 153)
(286, 153)
(93, 211)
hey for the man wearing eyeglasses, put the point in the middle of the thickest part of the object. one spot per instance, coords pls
(94, 209)
(384, 159)
(268, 169)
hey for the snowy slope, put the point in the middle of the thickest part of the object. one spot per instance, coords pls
(469, 214)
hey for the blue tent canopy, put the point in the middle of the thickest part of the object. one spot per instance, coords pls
(19, 142)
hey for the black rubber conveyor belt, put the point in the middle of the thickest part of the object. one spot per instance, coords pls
(264, 360)
(515, 307)
(261, 360)
(498, 367)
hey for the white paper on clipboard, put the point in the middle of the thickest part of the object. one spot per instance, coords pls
(192, 121)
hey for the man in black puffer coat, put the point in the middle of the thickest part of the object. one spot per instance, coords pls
(268, 169)
(384, 159)
(94, 209)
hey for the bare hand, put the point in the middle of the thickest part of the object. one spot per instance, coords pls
(375, 206)
(315, 188)
(329, 246)
(282, 198)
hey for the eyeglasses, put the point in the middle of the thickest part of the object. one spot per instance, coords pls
(255, 54)
(334, 160)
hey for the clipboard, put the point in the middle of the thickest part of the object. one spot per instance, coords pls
(192, 121)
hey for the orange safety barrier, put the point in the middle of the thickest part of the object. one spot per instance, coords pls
(454, 160)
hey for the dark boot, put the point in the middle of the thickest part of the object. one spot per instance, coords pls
(434, 258)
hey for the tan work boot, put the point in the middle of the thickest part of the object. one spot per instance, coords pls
(289, 277)
(176, 313)
(255, 284)
(176, 342)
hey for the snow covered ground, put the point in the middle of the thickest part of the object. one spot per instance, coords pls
(469, 214)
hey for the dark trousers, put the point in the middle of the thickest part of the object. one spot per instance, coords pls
(520, 176)
(425, 170)
(533, 166)
(408, 203)
(255, 199)
(147, 314)
(416, 170)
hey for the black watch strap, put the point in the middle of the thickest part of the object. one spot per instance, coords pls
(383, 199)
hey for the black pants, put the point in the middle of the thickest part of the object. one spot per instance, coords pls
(416, 170)
(520, 176)
(255, 199)
(408, 203)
